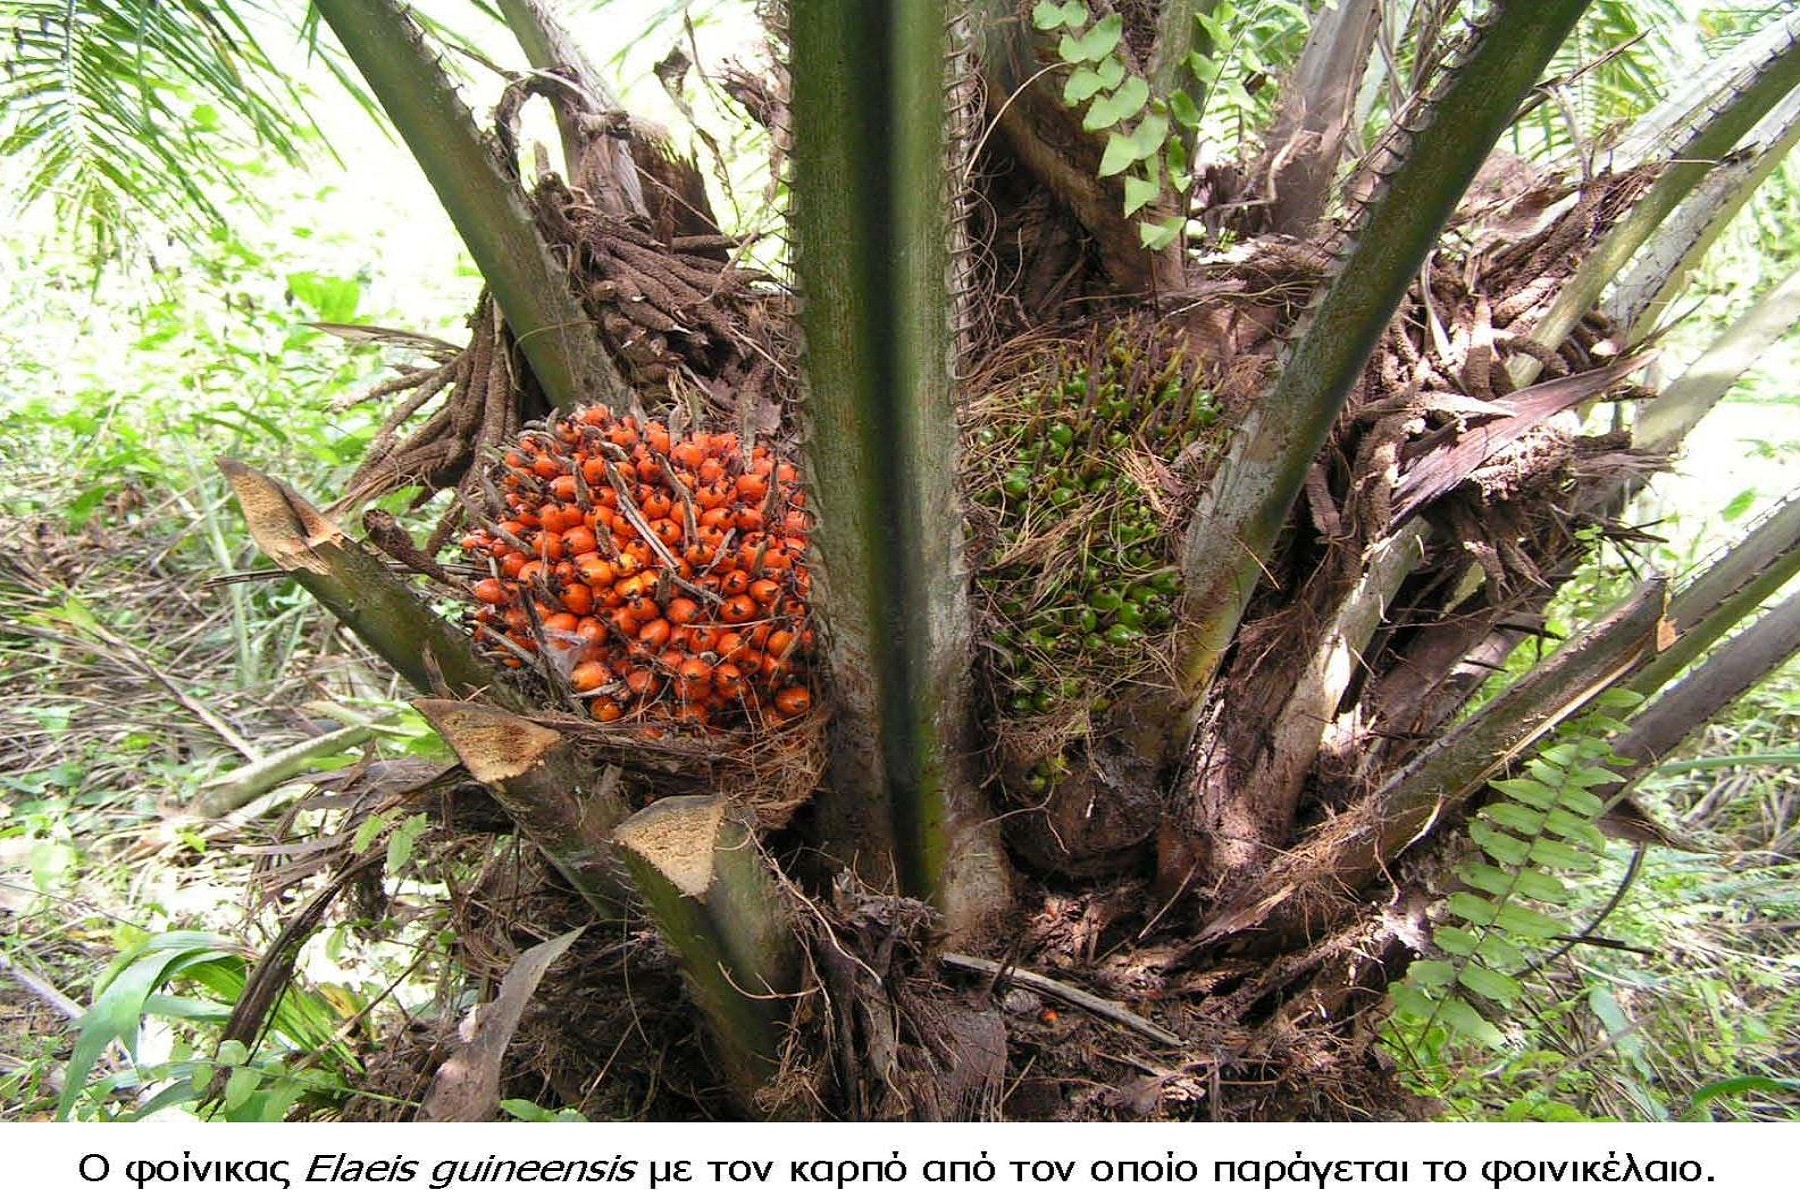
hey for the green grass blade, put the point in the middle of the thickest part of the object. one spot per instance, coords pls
(122, 993)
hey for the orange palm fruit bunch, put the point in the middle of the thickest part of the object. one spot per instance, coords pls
(665, 580)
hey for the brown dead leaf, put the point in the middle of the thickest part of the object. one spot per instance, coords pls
(467, 1086)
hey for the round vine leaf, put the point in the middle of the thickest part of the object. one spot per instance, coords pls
(1112, 110)
(1183, 109)
(1095, 44)
(1139, 192)
(1083, 84)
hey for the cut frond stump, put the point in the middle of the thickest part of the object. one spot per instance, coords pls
(551, 792)
(396, 623)
(717, 902)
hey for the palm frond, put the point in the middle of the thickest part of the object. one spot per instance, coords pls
(1618, 65)
(1242, 513)
(1749, 95)
(118, 109)
(482, 196)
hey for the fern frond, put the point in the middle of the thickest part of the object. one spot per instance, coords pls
(1510, 902)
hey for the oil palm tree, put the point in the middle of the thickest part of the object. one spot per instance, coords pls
(1174, 504)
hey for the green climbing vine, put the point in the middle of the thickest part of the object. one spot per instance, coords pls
(1152, 140)
(1510, 905)
(1149, 139)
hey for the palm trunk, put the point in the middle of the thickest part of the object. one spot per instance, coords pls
(868, 126)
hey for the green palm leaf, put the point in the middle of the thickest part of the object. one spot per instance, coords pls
(117, 110)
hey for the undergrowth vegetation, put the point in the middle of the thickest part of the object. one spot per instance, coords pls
(145, 661)
(1665, 990)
